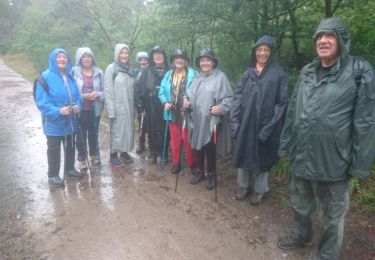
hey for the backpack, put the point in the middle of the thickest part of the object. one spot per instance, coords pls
(42, 83)
(358, 67)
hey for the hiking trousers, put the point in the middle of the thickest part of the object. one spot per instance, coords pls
(54, 153)
(333, 200)
(260, 180)
(87, 132)
(175, 130)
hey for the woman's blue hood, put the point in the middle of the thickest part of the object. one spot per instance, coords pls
(52, 64)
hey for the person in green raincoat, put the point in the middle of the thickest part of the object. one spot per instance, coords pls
(328, 136)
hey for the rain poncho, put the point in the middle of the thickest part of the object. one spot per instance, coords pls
(329, 132)
(202, 94)
(119, 101)
(257, 113)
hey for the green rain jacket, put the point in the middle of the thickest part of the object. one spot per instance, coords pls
(329, 132)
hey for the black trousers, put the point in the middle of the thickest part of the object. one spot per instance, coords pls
(97, 136)
(54, 153)
(87, 131)
(208, 151)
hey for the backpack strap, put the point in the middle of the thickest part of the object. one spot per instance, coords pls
(115, 71)
(42, 83)
(358, 67)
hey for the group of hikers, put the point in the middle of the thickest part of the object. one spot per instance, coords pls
(326, 130)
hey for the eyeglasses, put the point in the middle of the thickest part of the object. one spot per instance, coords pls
(265, 50)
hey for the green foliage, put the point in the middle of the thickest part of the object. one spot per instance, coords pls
(229, 27)
(363, 193)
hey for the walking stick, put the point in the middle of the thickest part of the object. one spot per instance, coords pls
(161, 173)
(141, 125)
(215, 136)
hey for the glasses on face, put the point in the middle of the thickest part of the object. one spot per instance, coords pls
(264, 50)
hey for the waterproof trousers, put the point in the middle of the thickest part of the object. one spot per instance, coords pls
(175, 130)
(333, 200)
(244, 180)
(87, 131)
(54, 153)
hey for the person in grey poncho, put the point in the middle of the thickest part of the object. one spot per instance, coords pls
(256, 118)
(119, 100)
(208, 99)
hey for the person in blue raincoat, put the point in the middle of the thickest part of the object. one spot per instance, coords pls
(60, 107)
(171, 94)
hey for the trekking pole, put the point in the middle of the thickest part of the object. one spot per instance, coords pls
(64, 147)
(161, 173)
(85, 147)
(215, 136)
(141, 124)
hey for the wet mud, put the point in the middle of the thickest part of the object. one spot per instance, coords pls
(130, 212)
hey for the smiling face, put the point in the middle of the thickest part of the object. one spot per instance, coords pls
(206, 65)
(327, 48)
(86, 60)
(262, 54)
(124, 56)
(179, 62)
(158, 58)
(61, 61)
(143, 62)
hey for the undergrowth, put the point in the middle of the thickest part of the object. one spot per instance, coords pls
(362, 191)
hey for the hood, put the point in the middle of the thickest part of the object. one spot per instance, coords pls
(118, 49)
(336, 26)
(141, 54)
(82, 51)
(52, 65)
(268, 40)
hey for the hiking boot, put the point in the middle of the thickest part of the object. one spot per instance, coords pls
(82, 165)
(256, 198)
(126, 157)
(73, 173)
(242, 193)
(115, 161)
(56, 181)
(211, 182)
(175, 169)
(199, 176)
(288, 243)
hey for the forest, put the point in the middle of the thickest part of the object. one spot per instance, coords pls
(32, 28)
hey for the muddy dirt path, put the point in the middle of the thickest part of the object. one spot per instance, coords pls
(128, 213)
